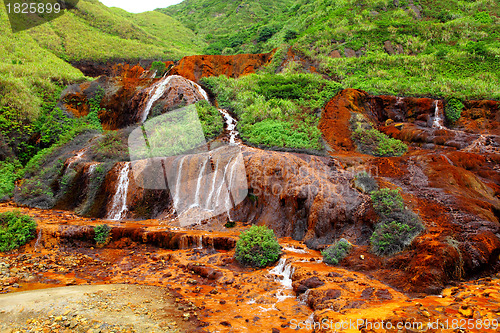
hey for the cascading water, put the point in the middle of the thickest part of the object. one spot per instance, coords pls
(157, 91)
(438, 120)
(119, 203)
(209, 198)
(38, 239)
(200, 90)
(178, 182)
(199, 242)
(78, 156)
(283, 274)
(198, 184)
(230, 125)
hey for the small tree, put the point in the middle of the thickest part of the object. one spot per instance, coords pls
(257, 247)
(159, 67)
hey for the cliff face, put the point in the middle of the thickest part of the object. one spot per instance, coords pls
(196, 67)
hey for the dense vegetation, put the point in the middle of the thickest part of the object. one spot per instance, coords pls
(444, 48)
(34, 69)
(398, 225)
(257, 247)
(16, 230)
(276, 110)
(371, 141)
(231, 26)
(102, 234)
(334, 254)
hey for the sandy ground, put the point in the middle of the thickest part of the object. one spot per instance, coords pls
(91, 308)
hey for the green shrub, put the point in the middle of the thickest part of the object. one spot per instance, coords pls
(10, 171)
(392, 237)
(159, 67)
(211, 119)
(398, 226)
(483, 18)
(102, 233)
(365, 183)
(16, 230)
(230, 224)
(289, 35)
(336, 252)
(453, 109)
(371, 141)
(257, 247)
(386, 201)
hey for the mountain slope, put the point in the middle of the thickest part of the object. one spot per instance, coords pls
(34, 64)
(230, 26)
(94, 32)
(402, 47)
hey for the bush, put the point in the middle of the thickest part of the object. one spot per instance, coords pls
(102, 233)
(453, 109)
(336, 252)
(371, 141)
(365, 183)
(257, 247)
(16, 230)
(392, 237)
(159, 67)
(9, 173)
(398, 226)
(289, 35)
(210, 118)
(386, 201)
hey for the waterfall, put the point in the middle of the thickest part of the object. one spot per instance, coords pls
(228, 198)
(222, 183)
(178, 182)
(198, 183)
(158, 89)
(438, 121)
(76, 157)
(293, 249)
(209, 199)
(231, 126)
(283, 274)
(119, 203)
(38, 239)
(199, 242)
(200, 90)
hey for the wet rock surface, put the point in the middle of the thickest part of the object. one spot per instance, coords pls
(240, 299)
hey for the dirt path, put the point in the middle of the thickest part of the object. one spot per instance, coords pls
(91, 308)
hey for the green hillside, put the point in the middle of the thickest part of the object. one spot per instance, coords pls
(404, 47)
(35, 67)
(231, 26)
(93, 31)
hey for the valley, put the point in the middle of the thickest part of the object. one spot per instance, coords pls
(282, 166)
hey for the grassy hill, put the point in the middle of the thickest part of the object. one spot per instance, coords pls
(93, 31)
(231, 26)
(403, 47)
(34, 67)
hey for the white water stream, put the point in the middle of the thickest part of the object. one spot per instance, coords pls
(155, 92)
(438, 120)
(119, 203)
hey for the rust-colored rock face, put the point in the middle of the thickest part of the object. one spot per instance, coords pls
(198, 66)
(334, 123)
(126, 96)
